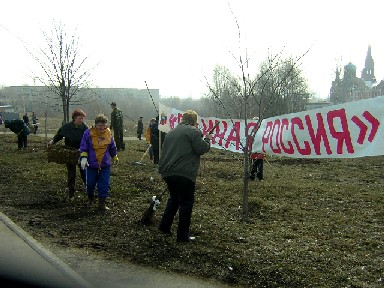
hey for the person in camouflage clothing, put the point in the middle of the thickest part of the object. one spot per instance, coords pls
(117, 126)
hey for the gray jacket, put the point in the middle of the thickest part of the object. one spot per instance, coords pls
(181, 152)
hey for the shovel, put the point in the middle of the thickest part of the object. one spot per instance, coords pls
(139, 162)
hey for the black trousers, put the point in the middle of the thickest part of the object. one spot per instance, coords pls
(181, 198)
(139, 134)
(22, 141)
(71, 169)
(257, 168)
(155, 156)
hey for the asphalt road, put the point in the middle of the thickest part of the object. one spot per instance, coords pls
(27, 263)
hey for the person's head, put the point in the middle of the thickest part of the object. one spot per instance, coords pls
(101, 122)
(153, 120)
(190, 118)
(78, 116)
(113, 105)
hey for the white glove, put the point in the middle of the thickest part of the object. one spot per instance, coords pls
(83, 163)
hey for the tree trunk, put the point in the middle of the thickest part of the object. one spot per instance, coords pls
(245, 216)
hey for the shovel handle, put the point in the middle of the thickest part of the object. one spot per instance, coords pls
(214, 127)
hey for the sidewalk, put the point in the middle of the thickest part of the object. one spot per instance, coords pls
(26, 263)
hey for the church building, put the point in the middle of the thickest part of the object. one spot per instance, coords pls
(351, 88)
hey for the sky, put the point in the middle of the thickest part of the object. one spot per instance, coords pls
(174, 45)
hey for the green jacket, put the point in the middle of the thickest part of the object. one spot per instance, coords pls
(182, 148)
(116, 119)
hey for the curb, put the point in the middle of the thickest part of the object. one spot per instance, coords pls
(45, 254)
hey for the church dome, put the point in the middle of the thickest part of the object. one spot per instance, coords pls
(350, 67)
(349, 71)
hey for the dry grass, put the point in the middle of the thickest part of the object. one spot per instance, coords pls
(313, 223)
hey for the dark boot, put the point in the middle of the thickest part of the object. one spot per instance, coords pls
(71, 192)
(91, 198)
(102, 206)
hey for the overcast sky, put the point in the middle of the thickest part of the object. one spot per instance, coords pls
(174, 45)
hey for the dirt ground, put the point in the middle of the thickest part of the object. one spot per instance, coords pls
(312, 223)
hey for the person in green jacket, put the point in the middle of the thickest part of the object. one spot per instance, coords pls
(73, 133)
(117, 126)
(178, 165)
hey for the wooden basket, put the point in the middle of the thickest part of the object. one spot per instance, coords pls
(63, 155)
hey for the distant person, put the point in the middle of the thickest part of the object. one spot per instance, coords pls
(20, 128)
(34, 122)
(140, 128)
(1, 119)
(156, 137)
(148, 138)
(72, 132)
(257, 166)
(97, 150)
(26, 119)
(178, 166)
(154, 127)
(117, 126)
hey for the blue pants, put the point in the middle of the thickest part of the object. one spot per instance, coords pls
(101, 178)
(181, 198)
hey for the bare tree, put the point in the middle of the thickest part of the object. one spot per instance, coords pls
(63, 68)
(278, 84)
(284, 83)
(227, 87)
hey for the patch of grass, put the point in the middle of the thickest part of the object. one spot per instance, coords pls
(313, 223)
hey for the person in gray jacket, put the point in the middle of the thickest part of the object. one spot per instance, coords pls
(178, 165)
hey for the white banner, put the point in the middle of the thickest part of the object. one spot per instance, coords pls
(348, 130)
(229, 134)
